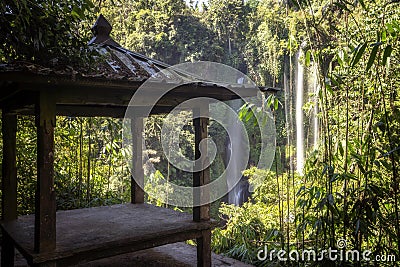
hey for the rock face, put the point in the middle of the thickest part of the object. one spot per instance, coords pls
(172, 255)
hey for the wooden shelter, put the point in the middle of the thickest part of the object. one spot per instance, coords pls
(60, 238)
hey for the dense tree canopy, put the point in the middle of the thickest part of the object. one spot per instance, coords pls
(350, 186)
(44, 31)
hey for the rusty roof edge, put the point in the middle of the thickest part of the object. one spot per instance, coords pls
(12, 75)
(269, 89)
(142, 57)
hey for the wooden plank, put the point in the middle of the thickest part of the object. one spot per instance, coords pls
(45, 202)
(123, 249)
(204, 249)
(7, 250)
(202, 177)
(90, 111)
(94, 110)
(172, 98)
(92, 233)
(137, 184)
(120, 97)
(9, 183)
(103, 111)
(57, 82)
(78, 93)
(19, 99)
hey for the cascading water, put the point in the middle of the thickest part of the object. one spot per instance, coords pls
(315, 113)
(239, 193)
(299, 114)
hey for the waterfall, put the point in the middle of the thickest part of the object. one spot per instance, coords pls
(236, 195)
(301, 86)
(299, 115)
(233, 195)
(315, 113)
(239, 193)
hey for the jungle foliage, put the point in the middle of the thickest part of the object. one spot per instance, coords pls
(350, 186)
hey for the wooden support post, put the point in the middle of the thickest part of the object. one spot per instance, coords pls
(137, 184)
(204, 249)
(202, 177)
(45, 202)
(9, 184)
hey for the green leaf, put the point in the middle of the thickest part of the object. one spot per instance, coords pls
(363, 5)
(308, 58)
(334, 81)
(269, 101)
(342, 6)
(348, 3)
(90, 4)
(390, 29)
(359, 52)
(339, 58)
(302, 188)
(248, 115)
(276, 104)
(341, 150)
(77, 12)
(335, 177)
(384, 36)
(396, 25)
(386, 54)
(372, 57)
(329, 88)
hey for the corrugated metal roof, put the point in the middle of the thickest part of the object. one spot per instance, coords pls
(123, 60)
